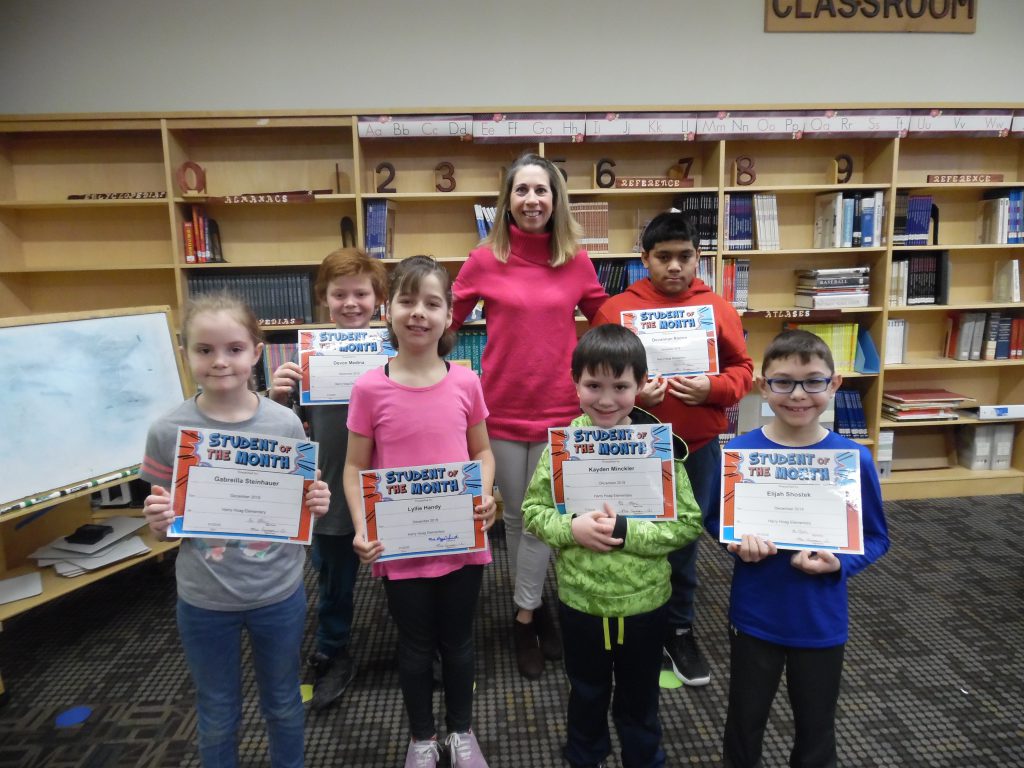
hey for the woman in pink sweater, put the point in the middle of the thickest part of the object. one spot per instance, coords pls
(532, 275)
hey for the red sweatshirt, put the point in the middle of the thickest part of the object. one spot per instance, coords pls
(696, 424)
(531, 332)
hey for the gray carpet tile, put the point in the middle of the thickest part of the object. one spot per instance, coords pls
(934, 671)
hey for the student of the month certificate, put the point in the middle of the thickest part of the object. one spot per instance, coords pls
(236, 485)
(424, 511)
(629, 467)
(680, 341)
(331, 360)
(795, 498)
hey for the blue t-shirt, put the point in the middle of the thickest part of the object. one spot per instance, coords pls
(774, 601)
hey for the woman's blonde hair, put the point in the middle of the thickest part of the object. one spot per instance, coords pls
(565, 232)
(220, 301)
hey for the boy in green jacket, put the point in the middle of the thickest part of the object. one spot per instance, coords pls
(613, 571)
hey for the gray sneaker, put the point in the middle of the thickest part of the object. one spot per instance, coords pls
(464, 751)
(423, 754)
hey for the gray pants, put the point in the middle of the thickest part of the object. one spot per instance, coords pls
(514, 463)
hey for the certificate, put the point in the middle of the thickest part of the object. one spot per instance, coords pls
(796, 498)
(331, 360)
(423, 511)
(237, 485)
(680, 341)
(629, 467)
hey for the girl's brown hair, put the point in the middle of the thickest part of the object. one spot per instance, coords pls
(220, 301)
(406, 278)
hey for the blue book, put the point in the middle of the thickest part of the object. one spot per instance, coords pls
(849, 213)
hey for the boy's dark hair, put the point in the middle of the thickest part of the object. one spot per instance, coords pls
(612, 348)
(669, 226)
(406, 278)
(797, 343)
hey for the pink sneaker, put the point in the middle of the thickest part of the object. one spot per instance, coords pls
(464, 750)
(423, 754)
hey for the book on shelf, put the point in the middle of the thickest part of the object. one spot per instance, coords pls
(739, 217)
(484, 216)
(274, 354)
(842, 338)
(277, 298)
(1006, 282)
(895, 341)
(995, 412)
(993, 335)
(848, 219)
(1000, 217)
(469, 346)
(922, 404)
(832, 289)
(883, 452)
(736, 282)
(380, 228)
(766, 221)
(850, 420)
(593, 219)
(189, 239)
(701, 208)
(919, 278)
(830, 299)
(732, 420)
(985, 446)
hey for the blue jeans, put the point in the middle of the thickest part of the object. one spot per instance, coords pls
(701, 467)
(212, 641)
(337, 565)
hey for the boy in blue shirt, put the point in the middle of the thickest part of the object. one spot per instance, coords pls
(789, 609)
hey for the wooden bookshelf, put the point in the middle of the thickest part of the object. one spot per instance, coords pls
(58, 254)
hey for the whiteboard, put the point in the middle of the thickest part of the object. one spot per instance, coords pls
(77, 397)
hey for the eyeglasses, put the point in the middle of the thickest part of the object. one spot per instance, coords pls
(786, 386)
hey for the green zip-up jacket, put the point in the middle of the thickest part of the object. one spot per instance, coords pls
(627, 581)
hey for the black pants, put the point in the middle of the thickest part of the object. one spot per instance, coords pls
(596, 650)
(432, 614)
(812, 679)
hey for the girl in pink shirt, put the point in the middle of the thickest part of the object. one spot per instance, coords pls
(419, 410)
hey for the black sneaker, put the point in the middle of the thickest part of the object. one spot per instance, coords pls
(333, 681)
(688, 663)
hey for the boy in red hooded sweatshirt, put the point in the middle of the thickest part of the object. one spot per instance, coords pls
(693, 405)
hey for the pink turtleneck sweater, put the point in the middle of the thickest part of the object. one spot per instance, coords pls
(531, 332)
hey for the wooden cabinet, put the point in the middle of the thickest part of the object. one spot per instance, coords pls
(61, 254)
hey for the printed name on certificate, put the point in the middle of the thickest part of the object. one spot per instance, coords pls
(628, 467)
(237, 485)
(680, 341)
(424, 511)
(331, 359)
(794, 497)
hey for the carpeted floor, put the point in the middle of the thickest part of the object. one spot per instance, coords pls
(934, 670)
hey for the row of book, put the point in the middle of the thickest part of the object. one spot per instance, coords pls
(919, 278)
(736, 282)
(277, 298)
(842, 339)
(752, 221)
(994, 335)
(1001, 217)
(469, 346)
(1006, 282)
(201, 237)
(616, 276)
(849, 219)
(914, 218)
(896, 341)
(985, 446)
(484, 215)
(833, 287)
(850, 419)
(922, 404)
(274, 354)
(380, 228)
(701, 208)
